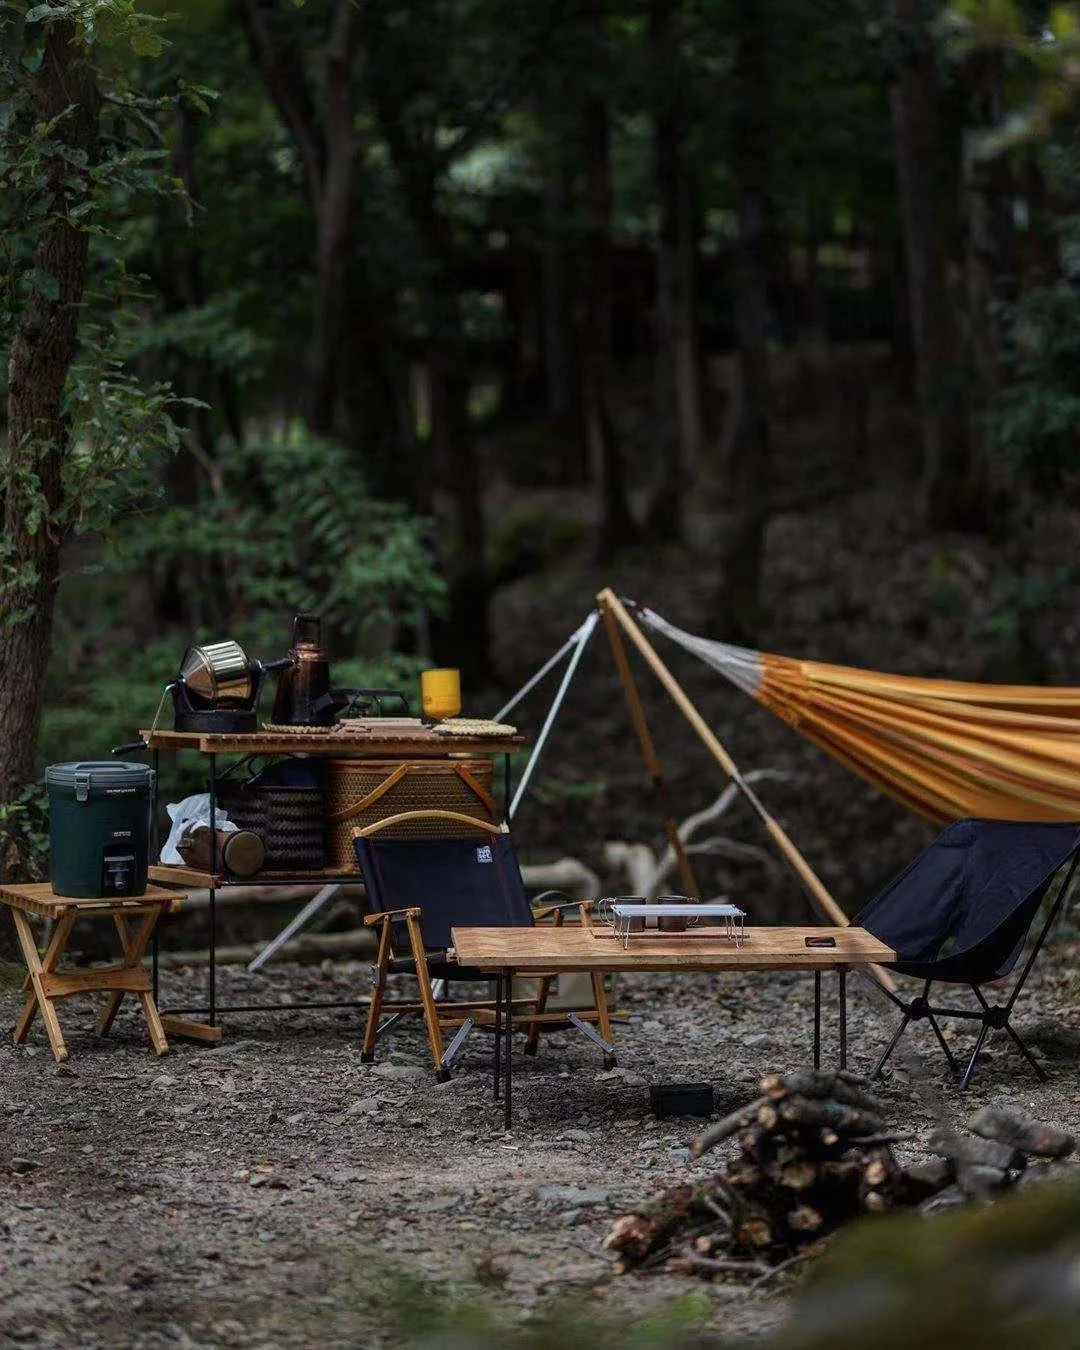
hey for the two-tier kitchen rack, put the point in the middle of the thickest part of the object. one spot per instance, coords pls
(335, 744)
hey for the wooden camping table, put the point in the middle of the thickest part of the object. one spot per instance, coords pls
(135, 918)
(506, 952)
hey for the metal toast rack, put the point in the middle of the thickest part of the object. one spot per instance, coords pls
(626, 915)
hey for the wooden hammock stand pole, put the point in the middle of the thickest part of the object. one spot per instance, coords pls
(648, 749)
(613, 611)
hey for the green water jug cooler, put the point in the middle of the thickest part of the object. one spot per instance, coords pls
(99, 827)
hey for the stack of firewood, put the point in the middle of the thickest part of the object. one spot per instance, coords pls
(813, 1153)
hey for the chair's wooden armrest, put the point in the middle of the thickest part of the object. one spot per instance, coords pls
(384, 915)
(569, 903)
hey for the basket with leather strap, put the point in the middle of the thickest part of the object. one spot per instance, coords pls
(359, 792)
(283, 805)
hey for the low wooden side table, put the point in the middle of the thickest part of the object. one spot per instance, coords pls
(135, 918)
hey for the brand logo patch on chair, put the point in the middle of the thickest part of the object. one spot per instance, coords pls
(483, 853)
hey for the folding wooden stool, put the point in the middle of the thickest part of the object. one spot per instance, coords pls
(134, 917)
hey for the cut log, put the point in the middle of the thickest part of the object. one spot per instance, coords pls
(724, 1129)
(754, 1233)
(836, 1115)
(806, 1219)
(797, 1176)
(923, 1180)
(977, 1180)
(965, 1149)
(1007, 1126)
(814, 1084)
(950, 1198)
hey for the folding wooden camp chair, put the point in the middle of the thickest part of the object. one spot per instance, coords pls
(418, 889)
(960, 914)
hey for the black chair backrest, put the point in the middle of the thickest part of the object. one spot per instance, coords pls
(961, 910)
(465, 882)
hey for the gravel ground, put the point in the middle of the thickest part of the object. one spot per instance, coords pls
(266, 1192)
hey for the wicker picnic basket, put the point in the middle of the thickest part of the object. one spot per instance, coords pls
(362, 791)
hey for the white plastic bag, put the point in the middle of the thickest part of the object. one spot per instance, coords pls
(191, 811)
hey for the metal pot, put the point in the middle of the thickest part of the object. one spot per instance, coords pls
(218, 671)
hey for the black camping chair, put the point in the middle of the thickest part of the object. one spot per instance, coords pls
(418, 890)
(960, 914)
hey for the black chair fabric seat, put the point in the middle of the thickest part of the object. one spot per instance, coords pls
(961, 911)
(442, 883)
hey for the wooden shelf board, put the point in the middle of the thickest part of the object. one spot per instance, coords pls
(176, 875)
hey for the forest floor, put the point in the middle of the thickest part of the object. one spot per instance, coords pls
(275, 1192)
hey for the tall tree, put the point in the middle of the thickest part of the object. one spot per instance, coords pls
(606, 461)
(739, 607)
(64, 100)
(322, 123)
(81, 432)
(679, 383)
(951, 488)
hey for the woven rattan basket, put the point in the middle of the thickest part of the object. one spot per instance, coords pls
(362, 791)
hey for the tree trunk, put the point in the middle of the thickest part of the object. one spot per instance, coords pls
(42, 350)
(464, 641)
(677, 339)
(562, 392)
(327, 151)
(332, 220)
(739, 608)
(616, 528)
(951, 497)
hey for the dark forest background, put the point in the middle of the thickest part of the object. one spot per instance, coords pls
(433, 315)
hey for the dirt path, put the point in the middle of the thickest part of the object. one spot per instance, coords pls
(270, 1191)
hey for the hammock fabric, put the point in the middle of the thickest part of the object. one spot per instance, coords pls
(946, 749)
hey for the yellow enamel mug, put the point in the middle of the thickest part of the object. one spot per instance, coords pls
(440, 693)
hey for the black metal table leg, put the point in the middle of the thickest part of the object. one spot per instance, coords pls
(842, 972)
(508, 981)
(212, 944)
(498, 1038)
(817, 1019)
(155, 853)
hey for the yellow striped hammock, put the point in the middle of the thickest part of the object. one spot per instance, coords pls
(945, 748)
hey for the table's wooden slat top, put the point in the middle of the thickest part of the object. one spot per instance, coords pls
(542, 948)
(38, 898)
(340, 744)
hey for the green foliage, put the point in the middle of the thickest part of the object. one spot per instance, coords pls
(1043, 43)
(287, 523)
(1038, 415)
(424, 1316)
(24, 833)
(117, 424)
(994, 1277)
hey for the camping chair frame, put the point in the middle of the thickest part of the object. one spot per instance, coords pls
(991, 1016)
(461, 1016)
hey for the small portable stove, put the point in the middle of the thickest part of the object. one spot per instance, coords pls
(624, 917)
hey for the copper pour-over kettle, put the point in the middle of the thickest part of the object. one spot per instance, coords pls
(305, 697)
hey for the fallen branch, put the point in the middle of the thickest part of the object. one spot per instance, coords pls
(309, 947)
(567, 874)
(647, 875)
